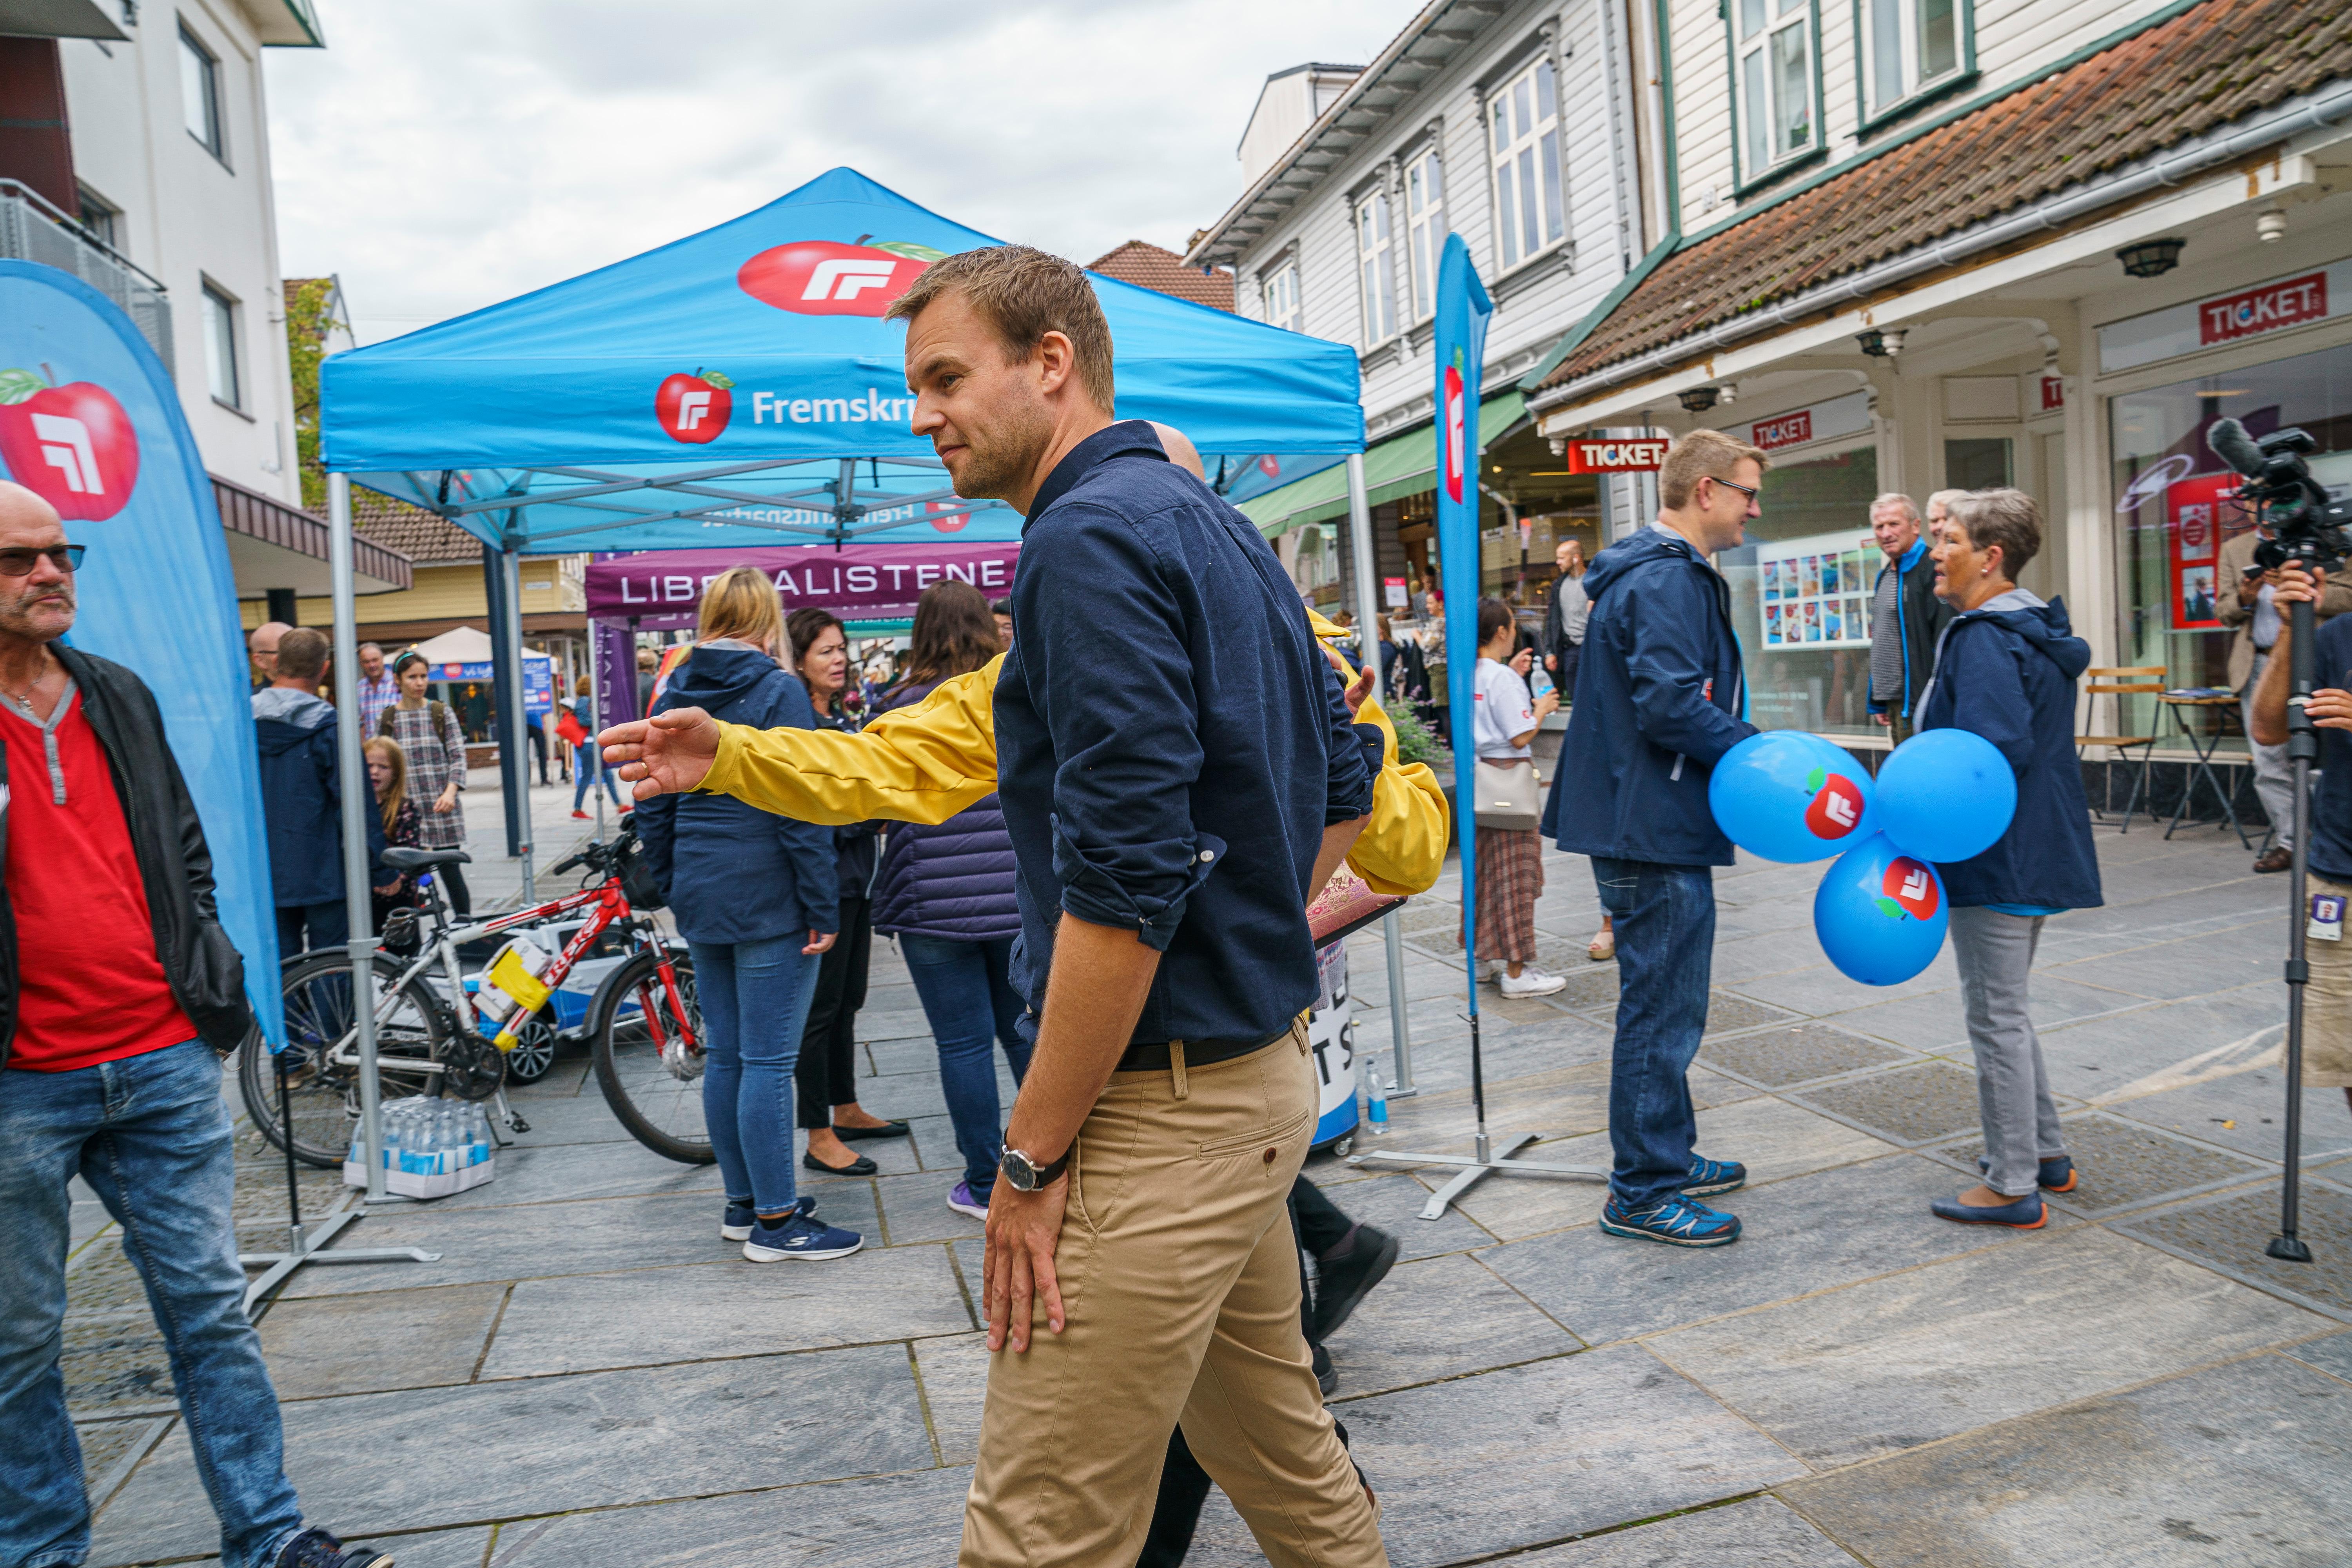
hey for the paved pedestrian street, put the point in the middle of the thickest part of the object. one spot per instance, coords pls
(589, 1376)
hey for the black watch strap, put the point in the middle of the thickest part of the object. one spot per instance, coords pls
(1047, 1173)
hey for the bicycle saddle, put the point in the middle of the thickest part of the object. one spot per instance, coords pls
(413, 859)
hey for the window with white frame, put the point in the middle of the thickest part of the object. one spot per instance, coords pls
(1279, 290)
(1376, 266)
(1425, 213)
(200, 95)
(1910, 46)
(1774, 44)
(221, 367)
(1523, 129)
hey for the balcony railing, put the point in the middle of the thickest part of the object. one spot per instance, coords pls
(33, 230)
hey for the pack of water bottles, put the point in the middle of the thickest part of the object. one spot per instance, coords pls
(432, 1147)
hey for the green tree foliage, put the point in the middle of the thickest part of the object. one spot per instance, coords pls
(309, 302)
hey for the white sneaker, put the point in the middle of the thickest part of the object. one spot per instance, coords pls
(1532, 982)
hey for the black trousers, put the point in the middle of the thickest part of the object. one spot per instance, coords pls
(1319, 1225)
(827, 1074)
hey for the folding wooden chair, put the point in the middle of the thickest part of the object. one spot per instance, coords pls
(2116, 683)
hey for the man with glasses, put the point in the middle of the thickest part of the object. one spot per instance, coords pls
(1659, 702)
(119, 994)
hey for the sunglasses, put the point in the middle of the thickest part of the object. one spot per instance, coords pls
(20, 563)
(1743, 489)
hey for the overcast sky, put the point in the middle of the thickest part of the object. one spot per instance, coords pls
(442, 156)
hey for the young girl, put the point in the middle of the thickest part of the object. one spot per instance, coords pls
(1510, 860)
(434, 746)
(387, 767)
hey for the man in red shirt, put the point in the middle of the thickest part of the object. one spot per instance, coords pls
(118, 995)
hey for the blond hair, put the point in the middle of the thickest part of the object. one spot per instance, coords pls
(1702, 455)
(1022, 294)
(741, 603)
(397, 789)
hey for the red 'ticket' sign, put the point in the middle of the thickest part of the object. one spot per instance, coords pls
(2264, 310)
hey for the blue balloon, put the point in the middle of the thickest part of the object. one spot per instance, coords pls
(1880, 913)
(1790, 796)
(1945, 796)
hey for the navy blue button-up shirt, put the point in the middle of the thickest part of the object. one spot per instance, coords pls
(1170, 743)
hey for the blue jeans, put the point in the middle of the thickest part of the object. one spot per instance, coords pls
(969, 1000)
(1665, 919)
(151, 1137)
(753, 996)
(587, 767)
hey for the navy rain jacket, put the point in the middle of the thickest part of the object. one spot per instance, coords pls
(2006, 672)
(1658, 701)
(1170, 741)
(731, 872)
(301, 797)
(950, 879)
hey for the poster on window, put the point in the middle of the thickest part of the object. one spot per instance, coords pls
(1817, 591)
(2195, 511)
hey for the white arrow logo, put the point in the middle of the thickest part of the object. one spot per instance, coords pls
(1914, 886)
(839, 279)
(65, 448)
(1840, 810)
(691, 408)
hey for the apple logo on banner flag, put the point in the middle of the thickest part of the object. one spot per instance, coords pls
(71, 444)
(825, 278)
(694, 408)
(1908, 889)
(1457, 430)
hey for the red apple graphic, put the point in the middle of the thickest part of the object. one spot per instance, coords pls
(1456, 432)
(952, 520)
(694, 408)
(71, 444)
(825, 278)
(1836, 810)
(1910, 884)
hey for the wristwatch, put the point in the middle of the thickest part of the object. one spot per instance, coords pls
(1025, 1175)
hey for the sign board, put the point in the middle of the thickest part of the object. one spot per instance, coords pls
(2195, 511)
(1640, 456)
(1394, 588)
(858, 582)
(2054, 394)
(1846, 416)
(2318, 295)
(1816, 591)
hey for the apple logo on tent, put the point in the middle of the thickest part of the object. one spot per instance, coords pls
(694, 408)
(72, 445)
(825, 278)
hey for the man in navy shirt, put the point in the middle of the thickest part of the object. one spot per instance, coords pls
(1179, 774)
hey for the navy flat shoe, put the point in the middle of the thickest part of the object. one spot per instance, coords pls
(2027, 1212)
(2057, 1174)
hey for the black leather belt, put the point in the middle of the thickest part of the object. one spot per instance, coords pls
(1154, 1056)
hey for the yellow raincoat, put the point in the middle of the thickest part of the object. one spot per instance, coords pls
(926, 763)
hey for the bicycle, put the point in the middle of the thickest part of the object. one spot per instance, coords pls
(643, 1023)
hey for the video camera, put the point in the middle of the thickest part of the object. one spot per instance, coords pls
(2308, 526)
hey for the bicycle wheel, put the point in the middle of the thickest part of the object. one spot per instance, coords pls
(323, 1092)
(650, 1070)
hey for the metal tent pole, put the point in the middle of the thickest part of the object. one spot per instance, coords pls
(1368, 647)
(595, 759)
(510, 586)
(358, 799)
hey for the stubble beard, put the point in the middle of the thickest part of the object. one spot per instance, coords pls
(25, 615)
(998, 467)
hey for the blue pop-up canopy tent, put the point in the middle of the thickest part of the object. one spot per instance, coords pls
(741, 387)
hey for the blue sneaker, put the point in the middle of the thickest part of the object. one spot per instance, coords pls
(1708, 1177)
(741, 1218)
(1679, 1222)
(802, 1236)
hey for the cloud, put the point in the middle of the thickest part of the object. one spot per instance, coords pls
(442, 157)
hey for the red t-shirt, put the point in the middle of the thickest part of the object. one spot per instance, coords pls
(90, 987)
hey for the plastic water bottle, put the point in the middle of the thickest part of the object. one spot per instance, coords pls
(481, 1136)
(1379, 1095)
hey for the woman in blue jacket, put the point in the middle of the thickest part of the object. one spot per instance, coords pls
(755, 898)
(2005, 670)
(946, 893)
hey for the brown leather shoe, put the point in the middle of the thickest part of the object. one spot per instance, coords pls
(2277, 857)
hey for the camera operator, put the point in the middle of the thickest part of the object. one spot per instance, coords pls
(2248, 603)
(2328, 1012)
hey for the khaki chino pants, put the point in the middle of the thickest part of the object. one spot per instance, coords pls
(1179, 1277)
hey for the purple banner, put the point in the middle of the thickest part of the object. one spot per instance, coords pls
(857, 583)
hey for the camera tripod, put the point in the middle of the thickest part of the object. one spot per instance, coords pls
(2301, 752)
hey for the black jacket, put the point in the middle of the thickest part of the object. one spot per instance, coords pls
(1919, 620)
(206, 972)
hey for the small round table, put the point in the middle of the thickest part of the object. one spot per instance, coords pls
(2204, 747)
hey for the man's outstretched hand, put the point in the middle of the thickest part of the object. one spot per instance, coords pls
(669, 754)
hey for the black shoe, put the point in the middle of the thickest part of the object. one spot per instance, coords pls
(1347, 1276)
(857, 1135)
(317, 1549)
(860, 1166)
(1327, 1376)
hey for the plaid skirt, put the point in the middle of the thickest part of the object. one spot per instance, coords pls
(1510, 880)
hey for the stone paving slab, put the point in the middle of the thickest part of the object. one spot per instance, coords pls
(1897, 1362)
(1933, 1021)
(2231, 1232)
(1908, 1105)
(1761, 1533)
(2332, 1355)
(954, 1370)
(1779, 1057)
(384, 1340)
(2246, 1112)
(2222, 1466)
(436, 1457)
(1438, 1318)
(2169, 970)
(568, 1172)
(1810, 1234)
(1480, 1465)
(429, 1548)
(915, 1207)
(2119, 1165)
(890, 1521)
(114, 1362)
(589, 1323)
(1393, 1203)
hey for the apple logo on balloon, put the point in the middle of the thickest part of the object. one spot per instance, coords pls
(72, 446)
(1837, 806)
(825, 278)
(1909, 887)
